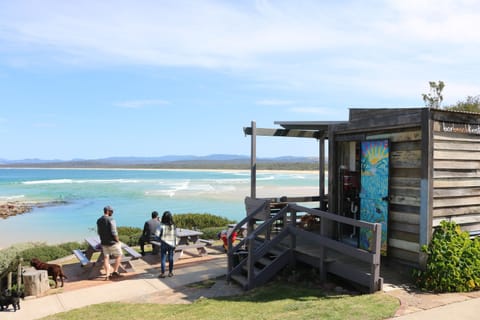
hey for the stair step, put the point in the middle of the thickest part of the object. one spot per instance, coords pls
(240, 279)
(264, 261)
(256, 270)
(275, 251)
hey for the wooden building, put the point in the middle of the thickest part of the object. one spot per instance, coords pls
(404, 168)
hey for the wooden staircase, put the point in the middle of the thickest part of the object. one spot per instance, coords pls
(274, 241)
(264, 268)
(262, 254)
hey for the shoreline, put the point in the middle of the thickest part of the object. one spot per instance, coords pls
(165, 169)
(10, 208)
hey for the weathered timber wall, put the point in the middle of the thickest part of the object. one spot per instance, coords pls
(404, 210)
(456, 175)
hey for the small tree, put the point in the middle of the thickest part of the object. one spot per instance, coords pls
(434, 98)
(471, 104)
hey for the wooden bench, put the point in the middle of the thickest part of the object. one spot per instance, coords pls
(155, 243)
(132, 252)
(180, 249)
(84, 261)
(207, 242)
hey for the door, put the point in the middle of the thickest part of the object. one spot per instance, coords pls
(374, 190)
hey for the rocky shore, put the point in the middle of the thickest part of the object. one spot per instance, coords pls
(12, 208)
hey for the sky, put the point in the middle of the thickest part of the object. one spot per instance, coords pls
(94, 79)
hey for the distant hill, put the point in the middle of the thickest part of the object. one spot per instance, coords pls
(214, 161)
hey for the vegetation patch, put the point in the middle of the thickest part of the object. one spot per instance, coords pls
(453, 263)
(273, 301)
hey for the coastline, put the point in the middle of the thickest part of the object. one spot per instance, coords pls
(10, 208)
(167, 169)
(28, 207)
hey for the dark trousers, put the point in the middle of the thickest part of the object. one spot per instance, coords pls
(142, 241)
(167, 251)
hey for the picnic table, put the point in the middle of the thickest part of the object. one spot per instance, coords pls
(85, 257)
(188, 242)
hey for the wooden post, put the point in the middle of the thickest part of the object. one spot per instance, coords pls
(375, 281)
(19, 275)
(253, 162)
(9, 281)
(322, 173)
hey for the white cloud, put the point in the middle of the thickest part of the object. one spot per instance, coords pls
(137, 104)
(386, 48)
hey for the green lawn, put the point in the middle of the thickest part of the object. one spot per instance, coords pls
(273, 301)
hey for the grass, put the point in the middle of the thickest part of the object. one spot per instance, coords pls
(273, 301)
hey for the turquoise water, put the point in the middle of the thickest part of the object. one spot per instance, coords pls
(134, 194)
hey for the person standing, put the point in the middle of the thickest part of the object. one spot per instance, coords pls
(168, 239)
(107, 230)
(151, 231)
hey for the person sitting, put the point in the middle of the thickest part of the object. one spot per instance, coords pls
(151, 232)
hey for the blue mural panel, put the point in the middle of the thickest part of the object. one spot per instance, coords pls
(374, 190)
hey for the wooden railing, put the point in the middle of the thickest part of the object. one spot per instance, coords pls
(287, 233)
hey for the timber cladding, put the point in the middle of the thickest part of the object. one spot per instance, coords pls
(456, 173)
(405, 176)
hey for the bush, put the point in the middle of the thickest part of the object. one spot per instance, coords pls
(44, 253)
(212, 233)
(200, 221)
(129, 235)
(209, 224)
(9, 256)
(70, 246)
(453, 263)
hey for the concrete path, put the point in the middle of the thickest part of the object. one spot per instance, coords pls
(145, 287)
(129, 288)
(465, 310)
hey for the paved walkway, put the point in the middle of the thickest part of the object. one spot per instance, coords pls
(144, 286)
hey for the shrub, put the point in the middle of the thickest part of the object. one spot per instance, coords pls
(70, 246)
(212, 233)
(453, 262)
(129, 235)
(9, 256)
(200, 221)
(209, 224)
(44, 253)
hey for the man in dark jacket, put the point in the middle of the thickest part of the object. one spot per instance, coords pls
(107, 230)
(151, 231)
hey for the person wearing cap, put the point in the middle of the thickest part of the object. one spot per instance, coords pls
(151, 231)
(107, 230)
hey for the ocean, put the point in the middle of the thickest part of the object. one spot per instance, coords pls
(133, 194)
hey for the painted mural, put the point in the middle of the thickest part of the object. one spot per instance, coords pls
(374, 190)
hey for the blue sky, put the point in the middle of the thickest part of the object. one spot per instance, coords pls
(93, 79)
